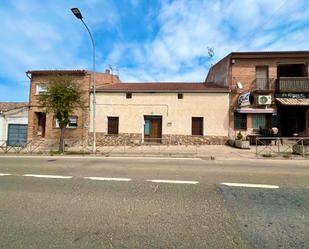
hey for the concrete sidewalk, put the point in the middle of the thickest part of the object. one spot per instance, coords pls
(212, 152)
(208, 152)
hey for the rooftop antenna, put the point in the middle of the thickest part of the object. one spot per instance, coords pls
(211, 53)
(112, 74)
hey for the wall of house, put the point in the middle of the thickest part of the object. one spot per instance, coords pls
(52, 134)
(16, 116)
(220, 73)
(176, 113)
(244, 71)
(1, 128)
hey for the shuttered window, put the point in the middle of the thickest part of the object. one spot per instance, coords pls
(112, 125)
(197, 126)
(240, 121)
(259, 120)
(261, 77)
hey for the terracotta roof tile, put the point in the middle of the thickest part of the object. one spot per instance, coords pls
(7, 106)
(162, 87)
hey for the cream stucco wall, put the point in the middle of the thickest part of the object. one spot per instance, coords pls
(1, 128)
(176, 113)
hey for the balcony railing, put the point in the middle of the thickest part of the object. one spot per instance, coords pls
(261, 84)
(293, 84)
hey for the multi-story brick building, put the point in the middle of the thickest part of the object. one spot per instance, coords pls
(268, 89)
(43, 125)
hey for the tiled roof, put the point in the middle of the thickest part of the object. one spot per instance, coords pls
(56, 72)
(7, 106)
(163, 87)
(269, 54)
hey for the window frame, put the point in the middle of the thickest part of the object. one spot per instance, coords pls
(254, 116)
(200, 129)
(39, 91)
(244, 121)
(69, 126)
(109, 128)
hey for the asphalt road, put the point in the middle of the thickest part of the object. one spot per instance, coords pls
(39, 209)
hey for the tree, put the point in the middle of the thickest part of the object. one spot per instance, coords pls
(61, 98)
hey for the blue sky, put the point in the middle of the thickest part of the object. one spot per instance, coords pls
(147, 40)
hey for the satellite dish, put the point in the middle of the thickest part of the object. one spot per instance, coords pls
(239, 85)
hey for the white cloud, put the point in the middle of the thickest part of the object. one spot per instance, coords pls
(45, 35)
(187, 28)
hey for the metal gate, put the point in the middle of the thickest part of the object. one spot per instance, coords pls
(17, 134)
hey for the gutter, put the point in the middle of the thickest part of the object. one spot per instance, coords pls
(163, 91)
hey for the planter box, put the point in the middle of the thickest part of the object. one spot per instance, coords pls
(242, 144)
(300, 150)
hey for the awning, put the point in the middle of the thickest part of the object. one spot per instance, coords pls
(288, 101)
(255, 110)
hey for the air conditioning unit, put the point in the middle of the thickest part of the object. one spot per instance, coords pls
(264, 100)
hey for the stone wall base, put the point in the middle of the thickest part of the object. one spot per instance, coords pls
(133, 139)
(136, 139)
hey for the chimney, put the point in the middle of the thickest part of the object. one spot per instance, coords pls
(107, 71)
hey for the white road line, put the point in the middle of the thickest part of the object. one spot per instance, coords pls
(173, 181)
(108, 179)
(3, 174)
(49, 176)
(248, 185)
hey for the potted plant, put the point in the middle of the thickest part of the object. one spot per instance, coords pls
(241, 142)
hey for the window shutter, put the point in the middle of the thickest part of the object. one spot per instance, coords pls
(197, 126)
(113, 123)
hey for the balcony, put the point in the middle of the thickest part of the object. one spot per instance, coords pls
(293, 84)
(262, 85)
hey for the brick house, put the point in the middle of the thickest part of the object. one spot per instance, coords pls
(42, 126)
(268, 89)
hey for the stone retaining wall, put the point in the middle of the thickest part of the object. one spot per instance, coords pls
(135, 139)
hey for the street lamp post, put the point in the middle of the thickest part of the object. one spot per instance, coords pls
(79, 16)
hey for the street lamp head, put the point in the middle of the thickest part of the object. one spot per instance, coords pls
(77, 13)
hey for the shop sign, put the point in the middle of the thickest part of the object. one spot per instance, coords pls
(293, 95)
(245, 99)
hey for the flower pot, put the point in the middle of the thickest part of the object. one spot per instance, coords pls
(242, 144)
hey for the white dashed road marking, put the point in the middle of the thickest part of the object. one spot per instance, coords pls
(173, 181)
(108, 179)
(3, 174)
(248, 185)
(49, 176)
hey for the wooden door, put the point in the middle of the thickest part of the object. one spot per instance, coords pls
(153, 129)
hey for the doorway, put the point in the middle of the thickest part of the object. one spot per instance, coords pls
(153, 129)
(41, 118)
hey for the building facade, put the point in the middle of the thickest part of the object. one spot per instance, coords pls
(42, 125)
(13, 123)
(268, 89)
(169, 113)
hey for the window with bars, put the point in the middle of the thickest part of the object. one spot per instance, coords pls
(112, 125)
(259, 120)
(240, 121)
(197, 126)
(72, 122)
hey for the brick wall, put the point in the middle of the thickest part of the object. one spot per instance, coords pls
(51, 132)
(244, 70)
